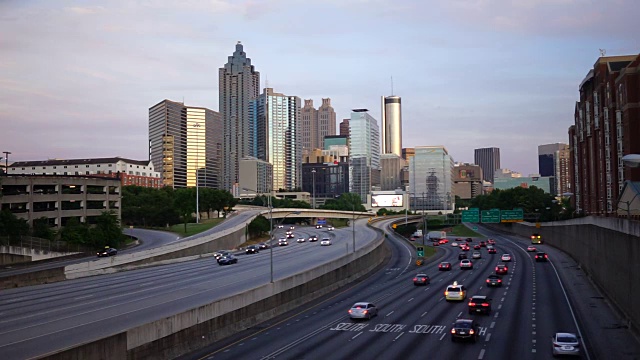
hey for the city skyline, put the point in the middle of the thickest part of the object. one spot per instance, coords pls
(94, 66)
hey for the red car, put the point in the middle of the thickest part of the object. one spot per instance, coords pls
(476, 247)
(444, 241)
(491, 242)
(444, 266)
(483, 244)
(464, 248)
(491, 251)
(502, 269)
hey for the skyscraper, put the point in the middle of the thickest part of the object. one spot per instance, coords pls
(239, 83)
(489, 160)
(391, 125)
(431, 179)
(344, 127)
(364, 153)
(185, 144)
(553, 160)
(316, 124)
(277, 117)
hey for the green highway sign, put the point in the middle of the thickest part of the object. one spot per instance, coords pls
(491, 216)
(472, 216)
(511, 215)
(420, 250)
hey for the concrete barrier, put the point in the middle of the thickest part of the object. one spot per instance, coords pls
(607, 249)
(193, 329)
(32, 278)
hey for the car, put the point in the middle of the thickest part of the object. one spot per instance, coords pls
(489, 247)
(462, 255)
(541, 256)
(531, 248)
(476, 247)
(325, 242)
(301, 240)
(363, 310)
(421, 279)
(491, 241)
(313, 238)
(459, 239)
(465, 329)
(280, 226)
(455, 291)
(318, 226)
(469, 239)
(228, 260)
(501, 269)
(443, 241)
(483, 244)
(491, 251)
(283, 242)
(466, 264)
(465, 248)
(505, 257)
(564, 343)
(252, 249)
(330, 228)
(220, 253)
(454, 244)
(263, 246)
(435, 243)
(444, 266)
(290, 236)
(494, 280)
(476, 255)
(292, 227)
(107, 252)
(289, 232)
(479, 304)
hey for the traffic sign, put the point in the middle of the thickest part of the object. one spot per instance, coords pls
(321, 221)
(514, 215)
(491, 216)
(420, 251)
(471, 215)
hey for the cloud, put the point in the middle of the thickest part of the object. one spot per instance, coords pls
(86, 10)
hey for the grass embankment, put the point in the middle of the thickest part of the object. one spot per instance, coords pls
(193, 228)
(463, 231)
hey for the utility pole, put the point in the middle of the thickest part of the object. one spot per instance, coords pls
(6, 162)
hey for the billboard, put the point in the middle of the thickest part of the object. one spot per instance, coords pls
(386, 200)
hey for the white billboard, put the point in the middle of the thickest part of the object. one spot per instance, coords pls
(386, 200)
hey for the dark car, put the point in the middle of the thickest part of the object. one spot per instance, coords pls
(479, 304)
(263, 246)
(252, 249)
(421, 279)
(462, 255)
(542, 256)
(501, 269)
(227, 260)
(494, 280)
(107, 252)
(469, 240)
(444, 266)
(220, 253)
(483, 244)
(465, 329)
(313, 238)
(476, 247)
(492, 251)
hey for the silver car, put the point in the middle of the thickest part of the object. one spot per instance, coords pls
(565, 344)
(363, 310)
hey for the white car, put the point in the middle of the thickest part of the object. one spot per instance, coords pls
(325, 242)
(454, 244)
(466, 264)
(476, 255)
(283, 242)
(565, 344)
(280, 226)
(301, 240)
(506, 257)
(531, 248)
(363, 310)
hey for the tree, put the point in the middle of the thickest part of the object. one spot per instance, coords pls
(11, 226)
(106, 232)
(346, 201)
(75, 232)
(185, 204)
(41, 229)
(258, 226)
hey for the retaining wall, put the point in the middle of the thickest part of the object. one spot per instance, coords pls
(193, 329)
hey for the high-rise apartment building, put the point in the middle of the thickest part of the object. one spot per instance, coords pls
(316, 124)
(606, 128)
(185, 144)
(277, 117)
(431, 179)
(489, 160)
(239, 83)
(344, 127)
(256, 176)
(553, 161)
(364, 153)
(391, 125)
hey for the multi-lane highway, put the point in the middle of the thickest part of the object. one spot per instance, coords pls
(415, 322)
(41, 319)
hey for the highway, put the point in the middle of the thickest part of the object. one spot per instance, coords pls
(41, 319)
(415, 322)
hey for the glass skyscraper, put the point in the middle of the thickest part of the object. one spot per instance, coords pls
(431, 179)
(364, 153)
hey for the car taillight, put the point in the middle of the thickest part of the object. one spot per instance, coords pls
(364, 312)
(546, 256)
(488, 280)
(499, 280)
(472, 304)
(453, 331)
(415, 279)
(471, 332)
(446, 293)
(424, 279)
(350, 311)
(485, 305)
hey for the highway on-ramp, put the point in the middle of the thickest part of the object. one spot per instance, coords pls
(42, 319)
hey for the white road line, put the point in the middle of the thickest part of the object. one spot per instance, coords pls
(397, 337)
(460, 314)
(499, 306)
(423, 314)
(481, 354)
(442, 337)
(389, 313)
(486, 338)
(496, 315)
(409, 300)
(82, 297)
(358, 334)
(493, 323)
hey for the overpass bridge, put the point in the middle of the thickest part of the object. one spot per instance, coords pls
(280, 213)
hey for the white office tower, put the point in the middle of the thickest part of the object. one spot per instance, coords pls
(391, 125)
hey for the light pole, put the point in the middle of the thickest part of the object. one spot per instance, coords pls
(6, 161)
(314, 188)
(197, 137)
(353, 227)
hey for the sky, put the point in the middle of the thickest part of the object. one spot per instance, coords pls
(77, 77)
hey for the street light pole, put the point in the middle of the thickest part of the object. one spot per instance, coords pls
(314, 188)
(270, 236)
(353, 228)
(6, 161)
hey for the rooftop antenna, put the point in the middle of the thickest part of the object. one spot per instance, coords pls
(391, 85)
(603, 52)
(266, 81)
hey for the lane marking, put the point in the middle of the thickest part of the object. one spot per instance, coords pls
(389, 313)
(481, 354)
(442, 337)
(83, 297)
(493, 323)
(397, 337)
(487, 337)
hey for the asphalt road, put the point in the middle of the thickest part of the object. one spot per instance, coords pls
(415, 322)
(40, 319)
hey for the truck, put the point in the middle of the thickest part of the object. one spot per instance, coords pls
(437, 235)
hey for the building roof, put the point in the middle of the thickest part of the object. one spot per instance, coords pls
(52, 162)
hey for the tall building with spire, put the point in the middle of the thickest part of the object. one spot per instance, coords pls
(239, 83)
(391, 125)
